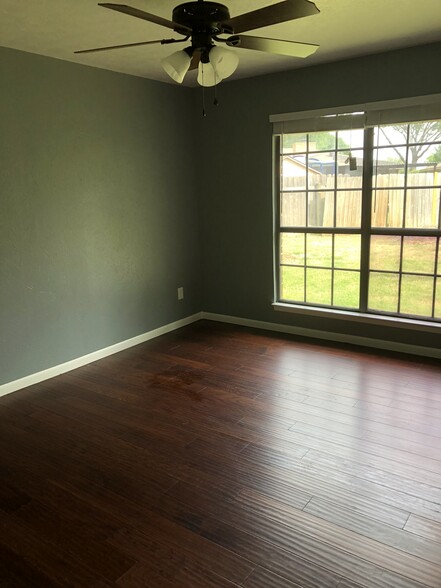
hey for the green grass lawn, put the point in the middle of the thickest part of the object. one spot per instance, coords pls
(311, 276)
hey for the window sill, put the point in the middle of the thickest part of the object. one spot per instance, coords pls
(373, 319)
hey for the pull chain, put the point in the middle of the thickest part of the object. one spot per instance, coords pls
(204, 114)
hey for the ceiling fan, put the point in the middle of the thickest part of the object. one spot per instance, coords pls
(202, 22)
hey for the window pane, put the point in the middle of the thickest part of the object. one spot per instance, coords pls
(347, 251)
(347, 289)
(293, 172)
(348, 213)
(416, 295)
(422, 208)
(321, 170)
(293, 209)
(419, 255)
(424, 132)
(318, 286)
(293, 143)
(385, 252)
(423, 173)
(438, 299)
(387, 208)
(350, 139)
(292, 248)
(383, 292)
(389, 167)
(322, 141)
(350, 169)
(391, 135)
(438, 271)
(319, 250)
(320, 209)
(292, 283)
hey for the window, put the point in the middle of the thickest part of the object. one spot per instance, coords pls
(358, 216)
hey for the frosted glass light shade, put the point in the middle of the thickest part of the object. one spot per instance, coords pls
(176, 65)
(224, 62)
(207, 76)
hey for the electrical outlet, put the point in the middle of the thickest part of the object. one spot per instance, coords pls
(180, 293)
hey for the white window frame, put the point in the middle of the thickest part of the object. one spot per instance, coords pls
(366, 116)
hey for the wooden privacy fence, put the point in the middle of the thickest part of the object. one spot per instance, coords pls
(422, 201)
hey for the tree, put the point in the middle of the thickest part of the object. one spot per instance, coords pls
(418, 135)
(436, 156)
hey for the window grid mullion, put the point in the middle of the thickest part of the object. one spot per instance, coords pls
(304, 268)
(400, 273)
(306, 219)
(434, 276)
(277, 212)
(366, 213)
(439, 211)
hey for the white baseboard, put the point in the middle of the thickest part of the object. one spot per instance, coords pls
(94, 356)
(234, 320)
(338, 337)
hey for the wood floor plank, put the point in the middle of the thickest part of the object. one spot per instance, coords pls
(353, 521)
(299, 532)
(290, 566)
(262, 578)
(419, 444)
(424, 527)
(151, 547)
(56, 528)
(324, 443)
(17, 572)
(294, 492)
(307, 569)
(187, 576)
(368, 474)
(219, 456)
(58, 566)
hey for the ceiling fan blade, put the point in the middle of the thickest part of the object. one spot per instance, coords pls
(273, 14)
(145, 16)
(120, 46)
(195, 60)
(290, 48)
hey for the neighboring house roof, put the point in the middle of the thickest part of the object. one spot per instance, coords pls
(298, 163)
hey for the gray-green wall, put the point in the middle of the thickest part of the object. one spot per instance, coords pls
(112, 188)
(236, 200)
(98, 210)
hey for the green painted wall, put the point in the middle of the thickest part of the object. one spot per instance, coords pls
(236, 201)
(103, 212)
(98, 210)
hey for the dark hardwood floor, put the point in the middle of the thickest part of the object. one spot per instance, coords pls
(218, 456)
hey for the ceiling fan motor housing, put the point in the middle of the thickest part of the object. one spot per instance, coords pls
(203, 17)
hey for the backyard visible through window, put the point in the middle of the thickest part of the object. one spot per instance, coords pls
(360, 219)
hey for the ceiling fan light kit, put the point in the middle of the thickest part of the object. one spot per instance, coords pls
(215, 64)
(220, 65)
(204, 22)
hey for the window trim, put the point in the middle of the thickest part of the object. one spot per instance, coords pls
(375, 113)
(399, 322)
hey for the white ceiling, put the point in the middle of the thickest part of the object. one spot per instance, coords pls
(344, 28)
